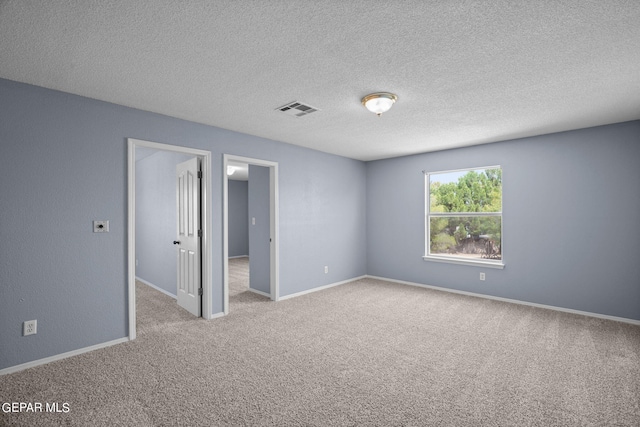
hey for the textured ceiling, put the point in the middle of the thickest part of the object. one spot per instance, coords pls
(466, 72)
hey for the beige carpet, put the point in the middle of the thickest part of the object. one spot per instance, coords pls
(238, 276)
(368, 353)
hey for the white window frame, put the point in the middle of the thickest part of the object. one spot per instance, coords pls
(489, 263)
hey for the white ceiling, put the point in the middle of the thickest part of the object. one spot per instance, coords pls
(466, 72)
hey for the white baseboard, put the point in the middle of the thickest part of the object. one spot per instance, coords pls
(33, 364)
(157, 288)
(239, 256)
(513, 301)
(255, 291)
(320, 288)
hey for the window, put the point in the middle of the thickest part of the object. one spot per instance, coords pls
(464, 216)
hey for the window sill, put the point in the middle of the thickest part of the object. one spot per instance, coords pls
(476, 263)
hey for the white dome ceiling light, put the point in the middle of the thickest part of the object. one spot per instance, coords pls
(379, 102)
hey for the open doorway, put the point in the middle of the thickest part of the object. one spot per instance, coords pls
(238, 228)
(174, 155)
(257, 224)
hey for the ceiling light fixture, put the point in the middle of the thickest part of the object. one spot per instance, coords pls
(379, 102)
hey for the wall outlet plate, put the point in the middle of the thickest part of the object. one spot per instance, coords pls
(30, 327)
(100, 226)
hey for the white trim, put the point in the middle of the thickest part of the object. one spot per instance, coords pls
(464, 214)
(34, 363)
(427, 225)
(321, 288)
(131, 236)
(274, 226)
(207, 226)
(462, 261)
(216, 315)
(512, 301)
(239, 256)
(462, 170)
(255, 291)
(157, 288)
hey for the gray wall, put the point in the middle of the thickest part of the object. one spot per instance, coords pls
(259, 233)
(571, 204)
(156, 219)
(238, 200)
(63, 164)
(571, 228)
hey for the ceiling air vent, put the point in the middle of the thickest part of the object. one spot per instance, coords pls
(297, 109)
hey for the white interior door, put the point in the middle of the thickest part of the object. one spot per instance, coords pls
(188, 240)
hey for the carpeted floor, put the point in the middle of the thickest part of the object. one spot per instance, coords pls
(368, 353)
(238, 276)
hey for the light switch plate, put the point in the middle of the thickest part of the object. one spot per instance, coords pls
(100, 226)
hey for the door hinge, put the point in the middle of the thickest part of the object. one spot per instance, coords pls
(199, 174)
(199, 233)
(200, 291)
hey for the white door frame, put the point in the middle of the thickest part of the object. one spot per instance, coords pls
(273, 224)
(207, 261)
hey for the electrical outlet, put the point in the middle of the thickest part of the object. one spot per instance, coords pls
(30, 327)
(482, 276)
(326, 269)
(100, 226)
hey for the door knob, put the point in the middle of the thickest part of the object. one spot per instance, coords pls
(176, 242)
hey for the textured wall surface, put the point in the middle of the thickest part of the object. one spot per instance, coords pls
(571, 206)
(238, 218)
(63, 164)
(570, 220)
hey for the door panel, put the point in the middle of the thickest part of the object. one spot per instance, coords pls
(188, 239)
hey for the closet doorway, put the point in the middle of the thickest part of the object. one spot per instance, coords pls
(262, 225)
